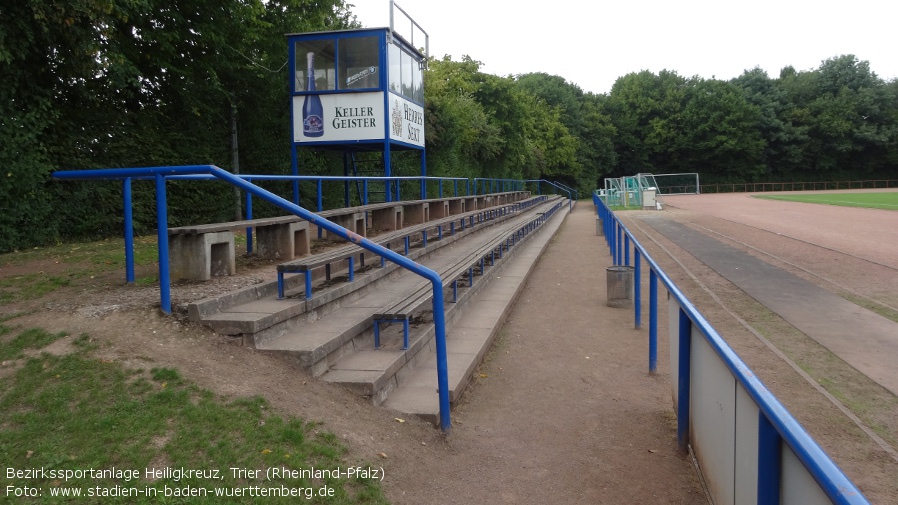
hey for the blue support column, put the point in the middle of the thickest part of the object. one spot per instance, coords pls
(769, 462)
(294, 163)
(439, 321)
(319, 199)
(626, 249)
(683, 377)
(129, 231)
(637, 289)
(653, 321)
(162, 236)
(249, 229)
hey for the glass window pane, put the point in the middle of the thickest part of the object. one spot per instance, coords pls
(418, 80)
(407, 84)
(321, 55)
(395, 76)
(359, 66)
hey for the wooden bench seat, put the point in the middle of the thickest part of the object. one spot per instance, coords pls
(501, 240)
(349, 252)
(199, 252)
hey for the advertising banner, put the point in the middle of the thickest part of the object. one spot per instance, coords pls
(338, 117)
(406, 121)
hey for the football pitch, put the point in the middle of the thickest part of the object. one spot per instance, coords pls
(884, 200)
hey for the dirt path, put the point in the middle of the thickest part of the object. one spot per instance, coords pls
(566, 411)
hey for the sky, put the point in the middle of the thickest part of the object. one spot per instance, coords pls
(592, 43)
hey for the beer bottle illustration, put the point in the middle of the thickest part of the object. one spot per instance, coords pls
(312, 111)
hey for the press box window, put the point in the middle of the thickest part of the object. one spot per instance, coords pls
(323, 61)
(358, 63)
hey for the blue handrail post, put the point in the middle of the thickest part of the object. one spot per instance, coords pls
(626, 249)
(249, 229)
(683, 378)
(129, 230)
(319, 200)
(365, 192)
(769, 462)
(294, 164)
(637, 289)
(439, 321)
(619, 242)
(653, 321)
(162, 243)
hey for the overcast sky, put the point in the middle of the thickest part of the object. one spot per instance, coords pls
(591, 43)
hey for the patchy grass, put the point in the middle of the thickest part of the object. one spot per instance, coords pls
(76, 412)
(106, 254)
(31, 286)
(33, 338)
(77, 261)
(883, 311)
(885, 200)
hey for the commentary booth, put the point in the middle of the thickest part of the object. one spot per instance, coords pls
(359, 91)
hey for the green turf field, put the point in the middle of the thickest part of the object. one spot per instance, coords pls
(888, 200)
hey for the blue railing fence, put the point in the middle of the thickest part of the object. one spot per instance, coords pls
(571, 193)
(750, 448)
(319, 180)
(159, 175)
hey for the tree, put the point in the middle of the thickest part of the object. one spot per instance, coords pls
(783, 140)
(718, 135)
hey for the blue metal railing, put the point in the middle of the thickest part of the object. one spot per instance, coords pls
(365, 180)
(488, 185)
(319, 197)
(775, 423)
(159, 174)
(571, 193)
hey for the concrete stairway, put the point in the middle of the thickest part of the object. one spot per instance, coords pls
(332, 334)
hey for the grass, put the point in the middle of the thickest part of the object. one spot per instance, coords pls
(106, 254)
(885, 200)
(77, 412)
(92, 259)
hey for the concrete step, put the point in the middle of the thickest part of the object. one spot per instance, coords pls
(406, 381)
(340, 346)
(470, 337)
(256, 314)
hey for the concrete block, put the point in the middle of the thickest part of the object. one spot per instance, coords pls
(438, 209)
(456, 206)
(283, 241)
(202, 256)
(352, 221)
(387, 219)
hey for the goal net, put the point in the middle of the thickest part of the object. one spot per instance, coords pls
(677, 184)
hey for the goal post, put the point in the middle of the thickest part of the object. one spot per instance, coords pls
(677, 184)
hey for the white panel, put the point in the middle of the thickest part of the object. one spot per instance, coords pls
(798, 487)
(673, 325)
(406, 121)
(746, 448)
(347, 116)
(713, 419)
